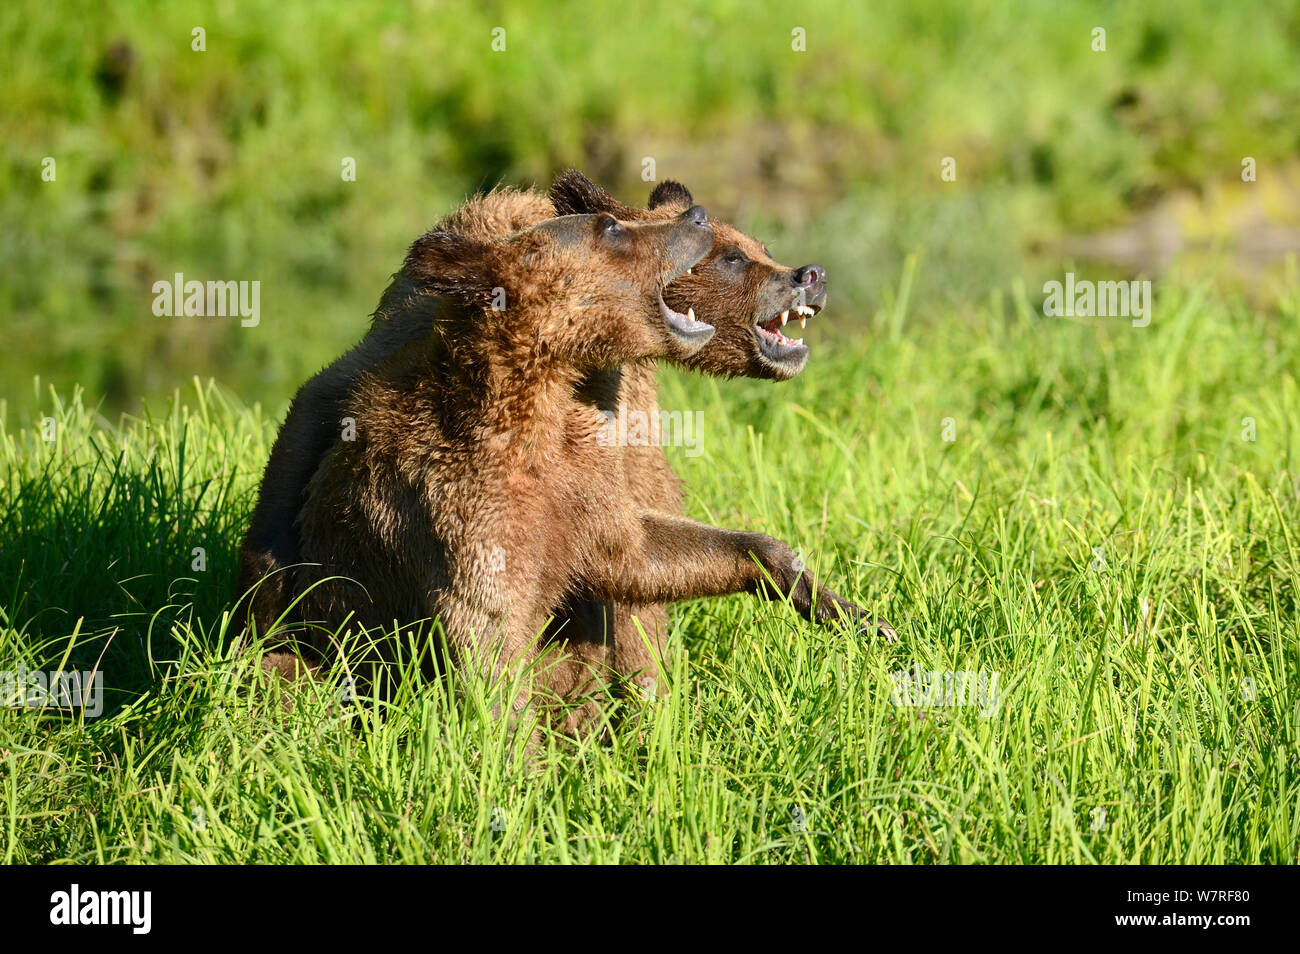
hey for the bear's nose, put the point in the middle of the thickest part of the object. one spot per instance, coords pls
(697, 215)
(810, 275)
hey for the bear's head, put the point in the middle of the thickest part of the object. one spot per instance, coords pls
(588, 290)
(737, 288)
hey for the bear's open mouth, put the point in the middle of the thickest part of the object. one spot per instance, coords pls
(685, 327)
(774, 345)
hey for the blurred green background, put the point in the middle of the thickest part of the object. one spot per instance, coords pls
(226, 163)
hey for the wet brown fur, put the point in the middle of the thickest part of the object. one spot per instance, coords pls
(631, 494)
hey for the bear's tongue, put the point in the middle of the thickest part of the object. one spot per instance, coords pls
(772, 327)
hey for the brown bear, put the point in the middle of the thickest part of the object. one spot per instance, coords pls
(475, 491)
(749, 298)
(314, 421)
(746, 295)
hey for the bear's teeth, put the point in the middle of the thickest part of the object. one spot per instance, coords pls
(688, 271)
(690, 313)
(785, 316)
(803, 321)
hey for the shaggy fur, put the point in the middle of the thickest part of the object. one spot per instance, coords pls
(476, 491)
(736, 287)
(405, 315)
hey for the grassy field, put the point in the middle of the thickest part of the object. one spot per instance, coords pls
(1100, 517)
(1111, 530)
(225, 163)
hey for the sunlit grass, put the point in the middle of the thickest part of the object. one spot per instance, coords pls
(1101, 534)
(225, 163)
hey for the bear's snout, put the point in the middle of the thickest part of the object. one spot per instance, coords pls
(809, 275)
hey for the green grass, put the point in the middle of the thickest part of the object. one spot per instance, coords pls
(225, 164)
(1099, 534)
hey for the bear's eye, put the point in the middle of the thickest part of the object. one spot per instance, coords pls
(734, 256)
(609, 225)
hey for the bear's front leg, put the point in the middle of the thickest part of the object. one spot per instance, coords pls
(673, 558)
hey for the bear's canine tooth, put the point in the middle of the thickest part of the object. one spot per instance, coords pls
(803, 321)
(690, 313)
(785, 316)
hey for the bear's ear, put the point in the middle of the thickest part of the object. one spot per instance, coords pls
(575, 194)
(669, 192)
(450, 263)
